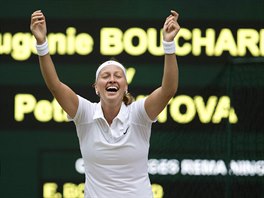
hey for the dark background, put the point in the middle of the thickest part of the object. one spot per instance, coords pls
(34, 153)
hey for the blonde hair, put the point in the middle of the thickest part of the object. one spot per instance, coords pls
(128, 98)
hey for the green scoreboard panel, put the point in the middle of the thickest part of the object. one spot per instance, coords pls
(208, 141)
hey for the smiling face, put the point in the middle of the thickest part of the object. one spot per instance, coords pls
(111, 85)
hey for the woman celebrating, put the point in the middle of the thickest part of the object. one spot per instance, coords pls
(114, 133)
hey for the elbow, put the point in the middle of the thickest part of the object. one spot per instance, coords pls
(53, 88)
(173, 92)
(172, 89)
(170, 92)
(170, 86)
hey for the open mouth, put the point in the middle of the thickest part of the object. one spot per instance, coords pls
(112, 89)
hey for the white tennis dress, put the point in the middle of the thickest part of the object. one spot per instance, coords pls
(115, 157)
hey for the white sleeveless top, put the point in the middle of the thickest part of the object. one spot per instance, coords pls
(115, 157)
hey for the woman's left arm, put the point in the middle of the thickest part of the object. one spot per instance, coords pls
(159, 98)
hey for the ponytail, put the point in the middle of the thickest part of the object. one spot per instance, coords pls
(128, 98)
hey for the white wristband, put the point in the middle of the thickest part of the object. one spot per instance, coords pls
(43, 49)
(169, 47)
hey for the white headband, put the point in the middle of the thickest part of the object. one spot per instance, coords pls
(111, 62)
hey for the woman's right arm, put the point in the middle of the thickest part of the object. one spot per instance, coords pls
(65, 96)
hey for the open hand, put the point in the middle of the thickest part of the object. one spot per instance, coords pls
(38, 26)
(171, 27)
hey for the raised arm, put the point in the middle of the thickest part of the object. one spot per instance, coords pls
(159, 98)
(63, 94)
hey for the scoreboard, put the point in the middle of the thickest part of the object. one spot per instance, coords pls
(208, 141)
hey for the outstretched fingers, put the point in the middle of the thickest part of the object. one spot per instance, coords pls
(38, 26)
(175, 14)
(37, 18)
(172, 17)
(171, 25)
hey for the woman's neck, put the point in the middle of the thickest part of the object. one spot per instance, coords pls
(110, 112)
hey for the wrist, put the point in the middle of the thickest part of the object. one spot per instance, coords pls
(40, 42)
(42, 47)
(169, 47)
